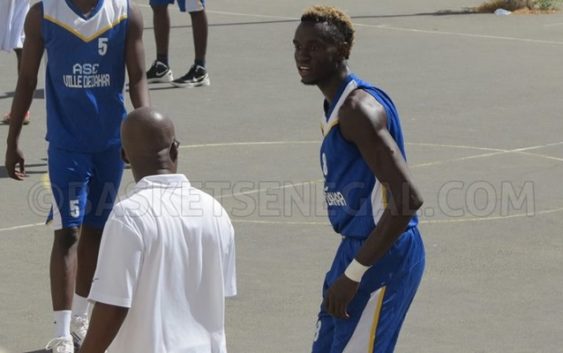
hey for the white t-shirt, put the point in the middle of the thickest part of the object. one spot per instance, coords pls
(168, 254)
(12, 18)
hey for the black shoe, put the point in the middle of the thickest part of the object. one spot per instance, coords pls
(159, 72)
(197, 76)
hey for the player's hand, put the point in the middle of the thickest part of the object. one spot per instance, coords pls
(14, 158)
(339, 295)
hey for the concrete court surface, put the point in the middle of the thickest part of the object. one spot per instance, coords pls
(480, 100)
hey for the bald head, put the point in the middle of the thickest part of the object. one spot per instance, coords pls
(148, 140)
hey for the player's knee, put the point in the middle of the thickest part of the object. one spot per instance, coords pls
(66, 238)
(90, 236)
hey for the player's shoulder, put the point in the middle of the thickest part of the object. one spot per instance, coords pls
(358, 101)
(38, 6)
(360, 110)
(35, 13)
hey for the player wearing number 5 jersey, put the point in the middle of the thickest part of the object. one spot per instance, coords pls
(89, 45)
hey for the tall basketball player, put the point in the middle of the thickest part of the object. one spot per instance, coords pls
(89, 45)
(370, 193)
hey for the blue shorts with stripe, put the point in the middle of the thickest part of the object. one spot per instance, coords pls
(84, 186)
(183, 5)
(378, 309)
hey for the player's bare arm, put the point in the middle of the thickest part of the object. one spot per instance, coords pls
(135, 59)
(364, 124)
(104, 325)
(27, 81)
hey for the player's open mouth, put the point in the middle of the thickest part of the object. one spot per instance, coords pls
(303, 70)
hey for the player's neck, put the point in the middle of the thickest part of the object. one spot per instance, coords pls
(140, 173)
(329, 87)
(86, 6)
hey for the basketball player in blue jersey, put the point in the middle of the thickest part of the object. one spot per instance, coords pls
(89, 44)
(371, 197)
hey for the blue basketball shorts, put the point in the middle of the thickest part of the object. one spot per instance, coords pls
(184, 5)
(84, 186)
(378, 309)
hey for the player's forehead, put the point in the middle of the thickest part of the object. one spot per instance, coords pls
(310, 32)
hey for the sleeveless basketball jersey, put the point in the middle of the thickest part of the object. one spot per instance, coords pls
(85, 73)
(355, 198)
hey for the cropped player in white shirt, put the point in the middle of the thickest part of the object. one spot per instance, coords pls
(12, 18)
(167, 258)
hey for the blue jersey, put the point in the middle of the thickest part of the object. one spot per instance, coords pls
(85, 73)
(355, 198)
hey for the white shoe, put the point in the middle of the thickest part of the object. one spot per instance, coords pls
(60, 345)
(159, 72)
(78, 329)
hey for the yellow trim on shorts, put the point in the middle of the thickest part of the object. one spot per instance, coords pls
(80, 35)
(375, 321)
(384, 196)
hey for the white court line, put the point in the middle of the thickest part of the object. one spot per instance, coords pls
(454, 146)
(460, 34)
(538, 147)
(521, 150)
(494, 218)
(484, 155)
(22, 226)
(300, 223)
(496, 151)
(422, 221)
(402, 29)
(541, 155)
(257, 191)
(257, 143)
(252, 15)
(237, 14)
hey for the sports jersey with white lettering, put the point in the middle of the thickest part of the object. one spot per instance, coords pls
(85, 73)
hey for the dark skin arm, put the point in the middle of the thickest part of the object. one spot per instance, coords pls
(135, 60)
(27, 81)
(365, 125)
(105, 323)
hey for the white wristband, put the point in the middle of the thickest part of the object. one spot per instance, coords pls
(355, 271)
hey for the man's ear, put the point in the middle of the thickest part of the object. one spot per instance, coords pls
(174, 152)
(344, 50)
(124, 156)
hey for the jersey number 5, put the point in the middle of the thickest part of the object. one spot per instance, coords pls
(74, 208)
(102, 46)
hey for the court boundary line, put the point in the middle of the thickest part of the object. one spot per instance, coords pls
(497, 151)
(494, 151)
(400, 29)
(460, 34)
(421, 221)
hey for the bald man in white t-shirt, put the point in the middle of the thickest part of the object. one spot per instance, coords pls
(167, 257)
